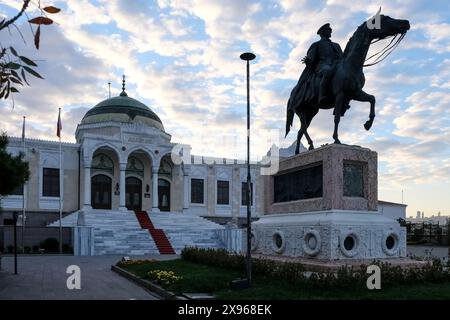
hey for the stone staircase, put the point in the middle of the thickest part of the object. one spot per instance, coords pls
(185, 230)
(117, 232)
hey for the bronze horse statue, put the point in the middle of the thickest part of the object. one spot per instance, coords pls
(347, 80)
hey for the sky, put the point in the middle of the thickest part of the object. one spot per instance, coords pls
(181, 58)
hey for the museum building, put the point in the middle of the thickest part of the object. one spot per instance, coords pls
(122, 160)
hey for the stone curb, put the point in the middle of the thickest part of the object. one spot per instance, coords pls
(162, 293)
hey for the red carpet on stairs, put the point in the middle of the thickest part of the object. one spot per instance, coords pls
(158, 235)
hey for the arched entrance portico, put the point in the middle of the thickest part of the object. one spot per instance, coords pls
(133, 193)
(101, 188)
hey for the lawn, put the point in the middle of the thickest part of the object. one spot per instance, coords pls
(207, 279)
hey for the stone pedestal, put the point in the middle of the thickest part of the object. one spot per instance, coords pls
(322, 204)
(331, 177)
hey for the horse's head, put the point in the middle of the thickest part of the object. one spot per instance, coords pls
(388, 26)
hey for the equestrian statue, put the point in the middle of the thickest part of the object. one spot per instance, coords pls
(332, 78)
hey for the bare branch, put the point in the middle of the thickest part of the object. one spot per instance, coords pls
(24, 7)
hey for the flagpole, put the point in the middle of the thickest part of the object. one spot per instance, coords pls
(60, 182)
(24, 190)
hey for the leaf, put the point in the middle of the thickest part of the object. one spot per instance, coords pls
(22, 72)
(12, 65)
(28, 61)
(51, 9)
(37, 37)
(15, 74)
(16, 81)
(3, 92)
(14, 89)
(7, 90)
(13, 51)
(41, 20)
(32, 72)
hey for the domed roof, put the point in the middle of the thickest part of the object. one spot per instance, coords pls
(122, 109)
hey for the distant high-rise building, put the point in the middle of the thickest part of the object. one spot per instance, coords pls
(423, 214)
(418, 215)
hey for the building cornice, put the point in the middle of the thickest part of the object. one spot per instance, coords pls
(43, 142)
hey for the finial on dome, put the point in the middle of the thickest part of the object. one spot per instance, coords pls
(123, 93)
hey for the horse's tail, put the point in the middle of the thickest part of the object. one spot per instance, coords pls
(289, 119)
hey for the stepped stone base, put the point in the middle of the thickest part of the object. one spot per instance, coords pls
(335, 265)
(329, 235)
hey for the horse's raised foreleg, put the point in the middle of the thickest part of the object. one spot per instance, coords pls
(365, 97)
(338, 105)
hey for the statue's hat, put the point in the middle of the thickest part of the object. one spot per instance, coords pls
(323, 28)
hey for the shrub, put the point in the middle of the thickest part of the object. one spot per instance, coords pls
(27, 249)
(343, 279)
(213, 257)
(288, 271)
(35, 249)
(50, 245)
(10, 249)
(133, 262)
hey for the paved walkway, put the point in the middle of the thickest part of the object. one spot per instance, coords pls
(44, 278)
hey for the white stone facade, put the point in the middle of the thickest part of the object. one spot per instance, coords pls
(119, 143)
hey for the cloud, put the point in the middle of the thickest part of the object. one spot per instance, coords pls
(181, 58)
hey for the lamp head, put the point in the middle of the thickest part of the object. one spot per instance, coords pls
(247, 56)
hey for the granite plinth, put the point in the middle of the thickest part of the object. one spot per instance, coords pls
(332, 177)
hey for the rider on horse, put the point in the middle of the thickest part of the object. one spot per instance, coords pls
(321, 57)
(320, 61)
(331, 79)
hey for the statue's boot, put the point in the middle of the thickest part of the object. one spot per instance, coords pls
(343, 110)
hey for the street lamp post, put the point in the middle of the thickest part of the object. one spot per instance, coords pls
(248, 56)
(15, 215)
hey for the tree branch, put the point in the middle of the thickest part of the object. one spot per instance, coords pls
(24, 7)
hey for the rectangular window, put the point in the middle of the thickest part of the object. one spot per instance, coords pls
(305, 183)
(50, 182)
(244, 194)
(223, 192)
(197, 191)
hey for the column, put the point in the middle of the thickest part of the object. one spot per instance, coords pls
(122, 203)
(155, 189)
(186, 171)
(87, 185)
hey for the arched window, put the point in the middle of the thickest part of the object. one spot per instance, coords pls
(135, 166)
(165, 168)
(102, 162)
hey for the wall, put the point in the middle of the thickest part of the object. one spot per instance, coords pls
(392, 211)
(40, 154)
(33, 236)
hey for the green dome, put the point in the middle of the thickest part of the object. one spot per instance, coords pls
(122, 109)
